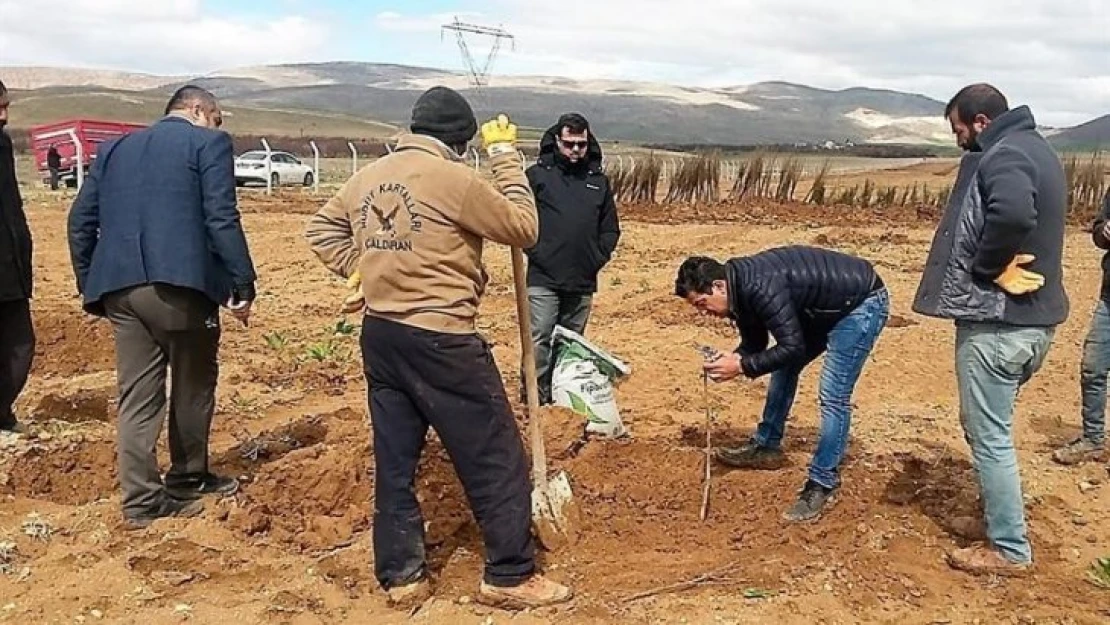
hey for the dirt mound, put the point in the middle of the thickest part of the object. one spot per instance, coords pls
(72, 343)
(74, 474)
(312, 491)
(795, 214)
(178, 562)
(79, 407)
(271, 446)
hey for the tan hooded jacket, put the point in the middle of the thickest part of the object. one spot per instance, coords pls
(413, 224)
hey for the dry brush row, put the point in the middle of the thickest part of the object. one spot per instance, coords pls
(764, 177)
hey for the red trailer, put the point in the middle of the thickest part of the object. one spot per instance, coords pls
(62, 135)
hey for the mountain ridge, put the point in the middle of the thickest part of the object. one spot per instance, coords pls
(770, 112)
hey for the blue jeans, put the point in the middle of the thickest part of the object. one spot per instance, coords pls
(993, 361)
(1096, 366)
(849, 344)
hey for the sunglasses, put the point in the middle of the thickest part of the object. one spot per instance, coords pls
(573, 145)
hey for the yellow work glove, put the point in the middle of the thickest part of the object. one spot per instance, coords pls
(1017, 281)
(499, 135)
(354, 301)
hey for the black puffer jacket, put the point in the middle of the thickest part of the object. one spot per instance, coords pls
(797, 294)
(579, 228)
(15, 236)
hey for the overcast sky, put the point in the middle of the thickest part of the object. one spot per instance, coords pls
(1051, 54)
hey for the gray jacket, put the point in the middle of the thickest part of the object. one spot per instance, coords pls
(1009, 198)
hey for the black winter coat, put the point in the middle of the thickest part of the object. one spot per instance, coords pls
(796, 294)
(579, 228)
(15, 236)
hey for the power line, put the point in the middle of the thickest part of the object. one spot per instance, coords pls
(479, 74)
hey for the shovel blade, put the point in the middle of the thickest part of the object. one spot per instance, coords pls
(554, 512)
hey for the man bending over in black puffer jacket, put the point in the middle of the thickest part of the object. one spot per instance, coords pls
(809, 300)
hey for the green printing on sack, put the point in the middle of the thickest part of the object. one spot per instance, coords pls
(581, 407)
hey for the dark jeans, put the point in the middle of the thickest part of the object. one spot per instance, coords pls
(17, 351)
(156, 327)
(55, 175)
(849, 345)
(419, 378)
(550, 308)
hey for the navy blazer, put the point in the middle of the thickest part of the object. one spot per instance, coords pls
(159, 206)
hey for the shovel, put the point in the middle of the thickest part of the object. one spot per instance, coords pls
(553, 509)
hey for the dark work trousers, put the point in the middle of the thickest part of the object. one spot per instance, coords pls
(158, 326)
(17, 350)
(450, 382)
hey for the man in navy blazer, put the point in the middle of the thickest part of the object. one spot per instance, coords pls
(157, 246)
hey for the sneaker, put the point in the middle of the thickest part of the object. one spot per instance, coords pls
(537, 592)
(811, 502)
(984, 560)
(751, 456)
(408, 596)
(169, 508)
(1079, 450)
(196, 486)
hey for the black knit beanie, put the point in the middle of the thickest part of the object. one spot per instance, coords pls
(444, 114)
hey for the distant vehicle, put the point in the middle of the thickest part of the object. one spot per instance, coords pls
(90, 132)
(284, 169)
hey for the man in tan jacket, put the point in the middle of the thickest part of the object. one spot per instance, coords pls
(412, 226)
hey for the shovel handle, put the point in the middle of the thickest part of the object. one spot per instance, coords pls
(528, 365)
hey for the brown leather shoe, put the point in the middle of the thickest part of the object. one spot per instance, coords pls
(537, 592)
(984, 560)
(410, 595)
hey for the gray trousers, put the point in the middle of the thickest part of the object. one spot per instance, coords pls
(158, 326)
(550, 308)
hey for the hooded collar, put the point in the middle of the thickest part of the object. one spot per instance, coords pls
(550, 155)
(429, 144)
(1014, 120)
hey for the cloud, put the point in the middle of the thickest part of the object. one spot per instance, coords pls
(1048, 54)
(155, 36)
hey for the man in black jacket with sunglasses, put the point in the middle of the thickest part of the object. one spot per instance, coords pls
(579, 230)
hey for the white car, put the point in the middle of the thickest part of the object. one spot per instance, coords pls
(284, 169)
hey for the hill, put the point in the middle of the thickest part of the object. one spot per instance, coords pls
(49, 104)
(339, 99)
(1093, 135)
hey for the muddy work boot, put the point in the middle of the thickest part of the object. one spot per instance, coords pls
(409, 596)
(188, 487)
(1079, 450)
(169, 508)
(537, 592)
(812, 501)
(984, 560)
(751, 456)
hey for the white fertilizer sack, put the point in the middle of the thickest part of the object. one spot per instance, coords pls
(583, 379)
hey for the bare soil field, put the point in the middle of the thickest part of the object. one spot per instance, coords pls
(293, 546)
